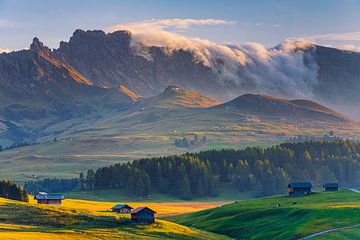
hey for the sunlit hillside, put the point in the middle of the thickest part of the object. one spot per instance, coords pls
(87, 220)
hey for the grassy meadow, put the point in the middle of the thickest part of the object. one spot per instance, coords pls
(79, 219)
(149, 133)
(263, 219)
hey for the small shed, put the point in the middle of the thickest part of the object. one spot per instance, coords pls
(297, 189)
(121, 208)
(45, 198)
(143, 215)
(331, 187)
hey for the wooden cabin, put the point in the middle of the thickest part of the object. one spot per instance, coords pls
(121, 208)
(331, 187)
(143, 215)
(297, 189)
(45, 198)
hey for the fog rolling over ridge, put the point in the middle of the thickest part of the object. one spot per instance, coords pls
(147, 63)
(288, 70)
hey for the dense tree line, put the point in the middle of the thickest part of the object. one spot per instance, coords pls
(52, 185)
(265, 169)
(12, 191)
(183, 176)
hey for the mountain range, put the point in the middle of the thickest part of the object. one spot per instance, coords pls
(113, 95)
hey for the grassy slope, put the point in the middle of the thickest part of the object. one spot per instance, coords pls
(226, 194)
(262, 219)
(118, 138)
(81, 220)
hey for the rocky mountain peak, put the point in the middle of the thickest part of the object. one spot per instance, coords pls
(38, 46)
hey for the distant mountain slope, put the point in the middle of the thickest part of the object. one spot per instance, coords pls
(37, 90)
(267, 106)
(173, 97)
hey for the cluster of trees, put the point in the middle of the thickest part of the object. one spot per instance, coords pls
(186, 143)
(52, 185)
(184, 176)
(265, 169)
(15, 145)
(12, 191)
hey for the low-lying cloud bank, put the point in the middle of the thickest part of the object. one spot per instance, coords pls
(249, 67)
(4, 50)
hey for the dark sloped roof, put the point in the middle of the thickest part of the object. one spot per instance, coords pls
(331, 185)
(43, 195)
(139, 209)
(120, 206)
(300, 185)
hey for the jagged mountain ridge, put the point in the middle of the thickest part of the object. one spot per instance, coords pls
(37, 90)
(110, 59)
(97, 71)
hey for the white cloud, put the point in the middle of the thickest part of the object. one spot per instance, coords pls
(165, 24)
(251, 67)
(4, 50)
(350, 36)
(349, 47)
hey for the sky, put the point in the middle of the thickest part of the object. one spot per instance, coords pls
(268, 22)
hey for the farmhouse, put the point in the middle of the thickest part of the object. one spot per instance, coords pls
(121, 208)
(297, 189)
(45, 198)
(143, 215)
(330, 187)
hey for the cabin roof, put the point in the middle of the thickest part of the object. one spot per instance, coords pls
(139, 209)
(46, 196)
(300, 185)
(331, 185)
(120, 206)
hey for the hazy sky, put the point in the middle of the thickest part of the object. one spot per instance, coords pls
(328, 22)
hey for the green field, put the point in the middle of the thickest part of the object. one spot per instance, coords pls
(226, 194)
(263, 219)
(115, 138)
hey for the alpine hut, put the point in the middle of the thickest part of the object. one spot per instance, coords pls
(121, 208)
(45, 198)
(143, 215)
(297, 189)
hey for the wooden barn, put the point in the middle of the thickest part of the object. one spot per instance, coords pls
(143, 215)
(121, 208)
(45, 198)
(331, 187)
(297, 189)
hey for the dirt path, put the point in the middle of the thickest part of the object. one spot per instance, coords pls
(354, 190)
(334, 229)
(329, 230)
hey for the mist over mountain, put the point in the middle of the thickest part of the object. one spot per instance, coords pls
(146, 64)
(97, 73)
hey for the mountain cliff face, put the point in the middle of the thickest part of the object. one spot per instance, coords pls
(290, 70)
(37, 90)
(108, 60)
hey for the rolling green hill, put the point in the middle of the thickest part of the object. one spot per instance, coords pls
(263, 219)
(150, 129)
